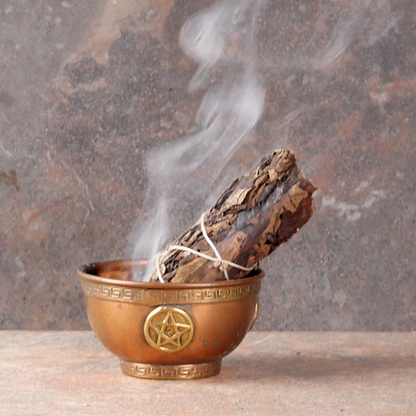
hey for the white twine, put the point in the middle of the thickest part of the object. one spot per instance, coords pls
(221, 262)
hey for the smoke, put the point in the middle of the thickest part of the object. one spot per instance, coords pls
(366, 21)
(221, 39)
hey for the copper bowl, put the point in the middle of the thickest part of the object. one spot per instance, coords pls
(166, 330)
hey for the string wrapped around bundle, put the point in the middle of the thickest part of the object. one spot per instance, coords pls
(256, 214)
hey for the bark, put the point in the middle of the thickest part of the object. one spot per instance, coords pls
(255, 214)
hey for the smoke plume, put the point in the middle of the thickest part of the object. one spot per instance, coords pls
(221, 39)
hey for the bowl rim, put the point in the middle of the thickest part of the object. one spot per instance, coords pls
(158, 285)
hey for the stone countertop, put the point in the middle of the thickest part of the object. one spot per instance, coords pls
(271, 373)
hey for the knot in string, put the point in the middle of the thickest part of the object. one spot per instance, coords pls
(218, 260)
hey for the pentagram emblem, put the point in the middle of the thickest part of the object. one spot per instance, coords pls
(168, 328)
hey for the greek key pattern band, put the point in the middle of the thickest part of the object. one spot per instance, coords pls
(167, 297)
(171, 372)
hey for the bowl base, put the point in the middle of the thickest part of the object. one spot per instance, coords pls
(171, 372)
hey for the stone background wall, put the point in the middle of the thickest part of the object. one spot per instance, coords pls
(87, 89)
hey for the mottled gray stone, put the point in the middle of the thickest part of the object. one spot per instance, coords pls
(87, 89)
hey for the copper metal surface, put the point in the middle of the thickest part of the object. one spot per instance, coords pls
(256, 314)
(171, 372)
(119, 311)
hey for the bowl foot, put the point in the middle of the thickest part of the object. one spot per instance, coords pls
(171, 372)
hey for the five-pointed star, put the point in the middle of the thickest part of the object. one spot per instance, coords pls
(169, 331)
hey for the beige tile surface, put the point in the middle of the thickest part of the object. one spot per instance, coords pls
(271, 373)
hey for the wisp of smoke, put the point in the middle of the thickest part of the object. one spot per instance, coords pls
(220, 38)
